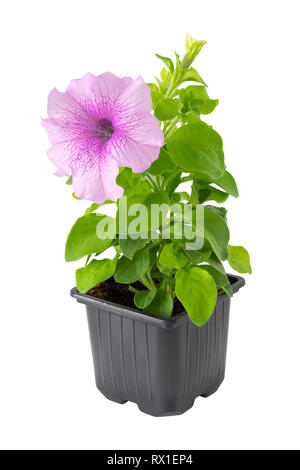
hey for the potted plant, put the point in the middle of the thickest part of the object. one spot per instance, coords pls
(158, 308)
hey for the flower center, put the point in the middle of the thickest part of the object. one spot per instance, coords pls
(105, 129)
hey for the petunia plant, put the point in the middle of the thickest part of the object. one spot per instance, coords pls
(125, 142)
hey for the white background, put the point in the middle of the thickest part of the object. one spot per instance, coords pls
(251, 63)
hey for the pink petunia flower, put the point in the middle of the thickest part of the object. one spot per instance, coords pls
(97, 125)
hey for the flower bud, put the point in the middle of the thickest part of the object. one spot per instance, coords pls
(193, 47)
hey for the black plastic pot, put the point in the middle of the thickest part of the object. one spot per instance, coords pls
(161, 365)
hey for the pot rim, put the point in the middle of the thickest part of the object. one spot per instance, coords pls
(236, 283)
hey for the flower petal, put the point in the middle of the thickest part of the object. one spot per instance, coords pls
(136, 98)
(68, 120)
(97, 182)
(77, 151)
(63, 106)
(132, 154)
(142, 128)
(97, 95)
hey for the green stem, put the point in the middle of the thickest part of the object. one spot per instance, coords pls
(146, 282)
(164, 283)
(153, 183)
(149, 277)
(170, 128)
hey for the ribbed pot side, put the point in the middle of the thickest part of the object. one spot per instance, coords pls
(161, 365)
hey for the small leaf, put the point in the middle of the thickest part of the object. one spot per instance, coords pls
(155, 94)
(196, 290)
(162, 304)
(167, 61)
(166, 109)
(174, 182)
(130, 246)
(191, 75)
(239, 259)
(221, 211)
(173, 256)
(129, 271)
(216, 232)
(196, 99)
(209, 193)
(93, 207)
(83, 239)
(198, 256)
(75, 197)
(228, 183)
(143, 298)
(95, 272)
(69, 180)
(216, 263)
(164, 164)
(221, 279)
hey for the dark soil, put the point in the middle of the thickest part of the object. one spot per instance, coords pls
(120, 294)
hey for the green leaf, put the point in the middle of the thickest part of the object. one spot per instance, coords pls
(129, 271)
(93, 207)
(95, 272)
(75, 197)
(221, 211)
(163, 269)
(216, 232)
(191, 75)
(133, 183)
(173, 182)
(196, 290)
(209, 193)
(196, 99)
(189, 118)
(198, 256)
(239, 259)
(143, 298)
(155, 94)
(165, 76)
(167, 61)
(173, 256)
(69, 180)
(166, 109)
(216, 263)
(83, 239)
(221, 279)
(162, 304)
(164, 164)
(198, 148)
(228, 183)
(130, 246)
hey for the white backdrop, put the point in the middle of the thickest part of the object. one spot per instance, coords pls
(48, 399)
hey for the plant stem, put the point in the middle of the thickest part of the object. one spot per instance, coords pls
(146, 282)
(153, 183)
(170, 128)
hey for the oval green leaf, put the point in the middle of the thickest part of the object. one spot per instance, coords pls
(198, 148)
(95, 272)
(239, 259)
(83, 239)
(197, 291)
(162, 304)
(129, 271)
